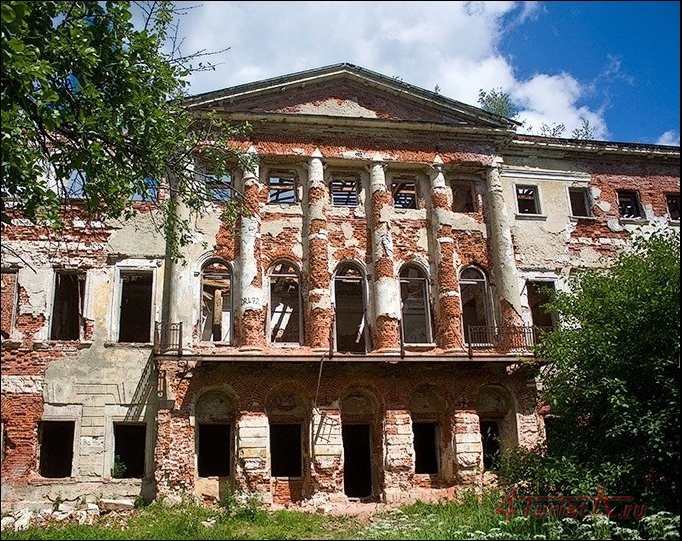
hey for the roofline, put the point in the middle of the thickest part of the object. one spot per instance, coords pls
(591, 145)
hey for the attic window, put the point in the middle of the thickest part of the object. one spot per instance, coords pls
(527, 199)
(282, 188)
(579, 201)
(344, 192)
(404, 193)
(628, 204)
(673, 202)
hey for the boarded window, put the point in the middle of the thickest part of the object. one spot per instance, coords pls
(538, 296)
(67, 307)
(349, 299)
(579, 202)
(282, 188)
(216, 302)
(214, 450)
(490, 438)
(673, 202)
(415, 306)
(56, 448)
(628, 204)
(404, 193)
(285, 450)
(344, 192)
(463, 196)
(527, 199)
(285, 326)
(474, 297)
(136, 307)
(129, 450)
(425, 448)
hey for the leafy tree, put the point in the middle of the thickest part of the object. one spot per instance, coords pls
(585, 131)
(498, 102)
(94, 104)
(613, 378)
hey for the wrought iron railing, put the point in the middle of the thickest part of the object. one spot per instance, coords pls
(504, 339)
(167, 338)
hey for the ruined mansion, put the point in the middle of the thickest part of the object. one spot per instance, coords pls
(360, 334)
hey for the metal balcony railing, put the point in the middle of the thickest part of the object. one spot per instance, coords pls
(167, 338)
(503, 339)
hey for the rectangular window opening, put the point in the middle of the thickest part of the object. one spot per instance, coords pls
(463, 196)
(344, 192)
(214, 450)
(579, 202)
(136, 307)
(285, 450)
(527, 199)
(673, 203)
(216, 299)
(284, 309)
(350, 315)
(474, 312)
(129, 450)
(74, 185)
(282, 189)
(146, 191)
(404, 193)
(67, 307)
(56, 448)
(490, 438)
(538, 295)
(425, 448)
(219, 189)
(628, 204)
(415, 316)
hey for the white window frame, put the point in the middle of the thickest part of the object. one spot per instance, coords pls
(64, 414)
(589, 203)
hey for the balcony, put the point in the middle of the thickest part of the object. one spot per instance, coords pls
(167, 338)
(504, 339)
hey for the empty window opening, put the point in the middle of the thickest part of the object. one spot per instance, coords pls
(474, 295)
(129, 450)
(579, 202)
(490, 438)
(285, 326)
(349, 299)
(673, 202)
(628, 204)
(463, 196)
(219, 189)
(415, 306)
(538, 296)
(147, 190)
(67, 308)
(425, 447)
(56, 448)
(285, 450)
(357, 460)
(527, 199)
(404, 193)
(344, 192)
(136, 307)
(214, 450)
(73, 187)
(282, 188)
(216, 302)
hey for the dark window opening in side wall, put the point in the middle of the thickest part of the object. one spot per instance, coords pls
(56, 448)
(490, 438)
(129, 450)
(628, 204)
(285, 450)
(214, 450)
(672, 201)
(425, 448)
(282, 188)
(344, 192)
(136, 307)
(579, 202)
(67, 307)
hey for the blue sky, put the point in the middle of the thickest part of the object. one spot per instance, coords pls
(616, 64)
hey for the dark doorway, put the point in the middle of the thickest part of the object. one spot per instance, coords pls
(285, 450)
(129, 450)
(214, 450)
(357, 464)
(425, 448)
(490, 437)
(56, 448)
(136, 308)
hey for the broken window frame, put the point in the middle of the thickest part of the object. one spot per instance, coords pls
(584, 197)
(401, 193)
(481, 282)
(41, 451)
(362, 279)
(80, 303)
(301, 458)
(632, 209)
(344, 185)
(202, 322)
(287, 181)
(527, 193)
(470, 201)
(144, 448)
(122, 271)
(424, 281)
(672, 205)
(274, 275)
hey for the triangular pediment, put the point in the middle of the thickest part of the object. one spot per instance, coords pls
(346, 91)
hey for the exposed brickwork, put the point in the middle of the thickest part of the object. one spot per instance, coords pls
(20, 416)
(8, 302)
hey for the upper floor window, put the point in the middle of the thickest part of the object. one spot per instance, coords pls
(73, 186)
(146, 191)
(282, 188)
(673, 203)
(285, 304)
(538, 296)
(349, 302)
(628, 204)
(67, 306)
(475, 307)
(463, 196)
(344, 191)
(219, 189)
(527, 199)
(135, 316)
(414, 295)
(216, 302)
(404, 192)
(579, 199)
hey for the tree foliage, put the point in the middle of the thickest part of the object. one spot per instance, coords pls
(92, 111)
(498, 102)
(614, 375)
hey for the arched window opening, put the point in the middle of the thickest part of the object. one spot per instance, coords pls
(414, 296)
(285, 304)
(349, 300)
(474, 295)
(216, 302)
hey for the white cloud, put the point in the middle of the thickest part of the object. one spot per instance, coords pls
(671, 137)
(454, 45)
